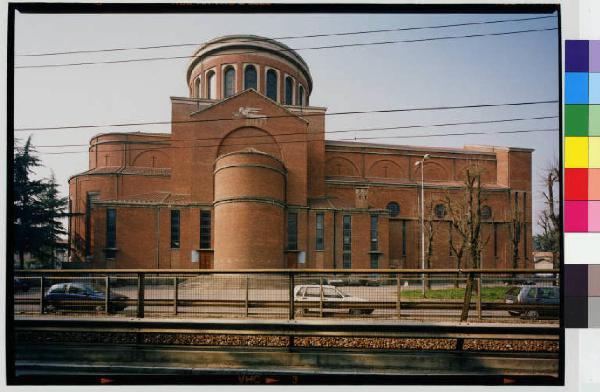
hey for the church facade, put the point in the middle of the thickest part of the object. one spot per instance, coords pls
(247, 179)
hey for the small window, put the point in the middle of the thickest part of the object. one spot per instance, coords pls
(330, 293)
(374, 232)
(229, 85)
(347, 241)
(292, 243)
(289, 91)
(440, 211)
(393, 209)
(313, 292)
(76, 290)
(300, 100)
(211, 85)
(58, 289)
(531, 293)
(486, 212)
(272, 84)
(175, 219)
(111, 228)
(198, 88)
(205, 225)
(250, 77)
(320, 234)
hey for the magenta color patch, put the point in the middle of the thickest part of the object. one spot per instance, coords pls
(594, 216)
(576, 216)
(594, 56)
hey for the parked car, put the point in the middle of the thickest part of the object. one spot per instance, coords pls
(333, 299)
(81, 296)
(20, 285)
(532, 295)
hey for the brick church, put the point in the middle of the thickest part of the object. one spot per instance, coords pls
(247, 179)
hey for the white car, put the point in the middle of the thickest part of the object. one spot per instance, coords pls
(332, 297)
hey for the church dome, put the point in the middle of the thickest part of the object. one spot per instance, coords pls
(228, 65)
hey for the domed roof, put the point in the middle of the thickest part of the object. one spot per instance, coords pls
(250, 43)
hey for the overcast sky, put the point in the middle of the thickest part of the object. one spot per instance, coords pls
(483, 70)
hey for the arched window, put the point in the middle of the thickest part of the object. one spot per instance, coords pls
(250, 77)
(198, 86)
(440, 211)
(211, 85)
(289, 91)
(272, 84)
(229, 85)
(393, 209)
(300, 100)
(486, 212)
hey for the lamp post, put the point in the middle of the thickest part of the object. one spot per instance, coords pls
(422, 164)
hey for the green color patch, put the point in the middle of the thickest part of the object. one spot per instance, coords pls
(594, 117)
(576, 120)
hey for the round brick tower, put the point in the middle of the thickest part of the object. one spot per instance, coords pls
(234, 63)
(249, 209)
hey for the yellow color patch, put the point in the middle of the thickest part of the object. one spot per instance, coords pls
(594, 151)
(576, 152)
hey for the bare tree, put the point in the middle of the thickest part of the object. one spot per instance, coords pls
(429, 233)
(515, 228)
(457, 248)
(549, 218)
(466, 221)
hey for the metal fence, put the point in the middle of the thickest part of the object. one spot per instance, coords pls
(497, 295)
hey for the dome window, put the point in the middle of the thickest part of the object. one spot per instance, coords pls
(198, 87)
(272, 84)
(211, 85)
(300, 100)
(289, 91)
(250, 77)
(229, 85)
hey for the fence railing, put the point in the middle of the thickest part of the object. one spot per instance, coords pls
(392, 294)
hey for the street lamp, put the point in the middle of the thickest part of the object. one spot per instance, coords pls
(422, 164)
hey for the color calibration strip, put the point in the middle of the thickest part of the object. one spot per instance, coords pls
(582, 296)
(582, 137)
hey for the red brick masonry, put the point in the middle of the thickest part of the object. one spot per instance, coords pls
(250, 161)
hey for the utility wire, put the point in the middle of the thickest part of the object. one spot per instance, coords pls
(453, 134)
(285, 116)
(304, 140)
(288, 37)
(326, 132)
(289, 50)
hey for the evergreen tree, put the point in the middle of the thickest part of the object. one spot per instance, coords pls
(54, 209)
(37, 207)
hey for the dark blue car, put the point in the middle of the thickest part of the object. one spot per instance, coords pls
(79, 296)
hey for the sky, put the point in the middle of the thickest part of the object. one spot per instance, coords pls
(470, 71)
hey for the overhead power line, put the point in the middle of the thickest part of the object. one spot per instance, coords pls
(291, 49)
(337, 131)
(64, 127)
(303, 140)
(452, 134)
(348, 33)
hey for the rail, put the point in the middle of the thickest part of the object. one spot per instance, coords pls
(388, 294)
(294, 328)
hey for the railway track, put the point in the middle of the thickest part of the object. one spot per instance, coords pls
(113, 359)
(143, 347)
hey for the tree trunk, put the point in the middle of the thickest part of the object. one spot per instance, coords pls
(467, 300)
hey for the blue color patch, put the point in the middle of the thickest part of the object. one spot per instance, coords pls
(594, 87)
(576, 88)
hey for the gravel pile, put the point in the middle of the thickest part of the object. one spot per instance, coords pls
(283, 341)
